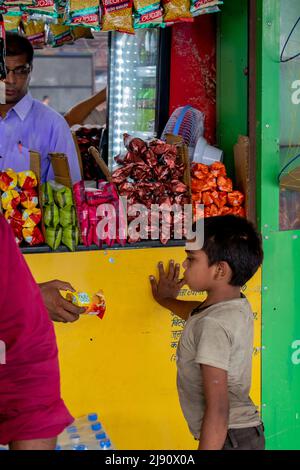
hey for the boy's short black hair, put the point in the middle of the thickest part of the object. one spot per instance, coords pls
(234, 240)
(16, 44)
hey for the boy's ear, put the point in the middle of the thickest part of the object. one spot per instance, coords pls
(222, 271)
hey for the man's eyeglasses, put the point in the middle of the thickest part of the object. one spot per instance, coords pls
(21, 71)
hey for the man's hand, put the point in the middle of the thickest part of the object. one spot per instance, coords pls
(59, 309)
(168, 284)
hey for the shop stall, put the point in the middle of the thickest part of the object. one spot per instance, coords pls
(123, 366)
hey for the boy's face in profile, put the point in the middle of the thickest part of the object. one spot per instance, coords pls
(198, 275)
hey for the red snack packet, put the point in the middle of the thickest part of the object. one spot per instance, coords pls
(218, 169)
(226, 210)
(207, 198)
(239, 211)
(29, 199)
(83, 219)
(224, 184)
(235, 199)
(33, 236)
(177, 10)
(79, 193)
(27, 179)
(32, 217)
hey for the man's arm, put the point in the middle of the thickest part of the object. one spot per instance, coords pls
(59, 309)
(166, 289)
(215, 422)
(81, 111)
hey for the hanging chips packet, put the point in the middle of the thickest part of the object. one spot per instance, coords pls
(51, 215)
(117, 16)
(148, 13)
(201, 7)
(33, 236)
(177, 10)
(53, 237)
(32, 217)
(84, 13)
(12, 21)
(35, 32)
(29, 198)
(59, 34)
(70, 237)
(10, 199)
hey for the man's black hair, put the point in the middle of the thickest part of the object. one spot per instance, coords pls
(234, 240)
(19, 45)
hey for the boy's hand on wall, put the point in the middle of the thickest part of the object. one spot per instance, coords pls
(168, 284)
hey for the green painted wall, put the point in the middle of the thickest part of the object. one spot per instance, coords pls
(281, 283)
(232, 79)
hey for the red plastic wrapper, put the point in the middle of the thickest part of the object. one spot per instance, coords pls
(150, 158)
(14, 218)
(121, 174)
(178, 187)
(226, 210)
(239, 211)
(29, 198)
(83, 219)
(224, 184)
(211, 211)
(219, 198)
(235, 199)
(33, 236)
(31, 217)
(132, 157)
(207, 198)
(8, 180)
(134, 144)
(218, 169)
(207, 184)
(201, 169)
(160, 148)
(10, 199)
(79, 193)
(27, 180)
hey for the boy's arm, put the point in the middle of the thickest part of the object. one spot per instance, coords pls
(166, 289)
(215, 422)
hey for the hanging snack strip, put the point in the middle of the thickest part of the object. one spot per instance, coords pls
(177, 10)
(84, 13)
(202, 7)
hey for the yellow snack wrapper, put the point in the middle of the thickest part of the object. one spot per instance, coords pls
(8, 180)
(93, 304)
(27, 180)
(10, 199)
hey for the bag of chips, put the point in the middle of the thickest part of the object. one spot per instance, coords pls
(148, 13)
(8, 180)
(51, 215)
(70, 237)
(177, 10)
(53, 237)
(14, 218)
(80, 32)
(29, 198)
(47, 194)
(84, 13)
(35, 33)
(62, 194)
(93, 304)
(59, 34)
(200, 7)
(31, 218)
(10, 199)
(12, 21)
(67, 216)
(27, 180)
(117, 16)
(33, 236)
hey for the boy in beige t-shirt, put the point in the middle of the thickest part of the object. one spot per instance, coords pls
(214, 356)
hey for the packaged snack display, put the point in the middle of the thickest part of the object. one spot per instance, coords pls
(200, 7)
(84, 13)
(59, 216)
(59, 34)
(94, 304)
(35, 32)
(212, 188)
(21, 206)
(117, 16)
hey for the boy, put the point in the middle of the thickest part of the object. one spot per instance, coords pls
(214, 356)
(32, 413)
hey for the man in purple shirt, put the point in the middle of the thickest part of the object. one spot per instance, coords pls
(27, 124)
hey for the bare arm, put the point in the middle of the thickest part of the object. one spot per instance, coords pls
(81, 111)
(166, 289)
(215, 422)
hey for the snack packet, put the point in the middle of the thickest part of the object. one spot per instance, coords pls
(32, 217)
(67, 216)
(94, 304)
(85, 13)
(117, 16)
(51, 215)
(33, 236)
(199, 7)
(10, 199)
(27, 180)
(53, 237)
(29, 198)
(12, 21)
(47, 194)
(148, 13)
(79, 32)
(59, 34)
(177, 10)
(70, 237)
(8, 180)
(35, 33)
(62, 195)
